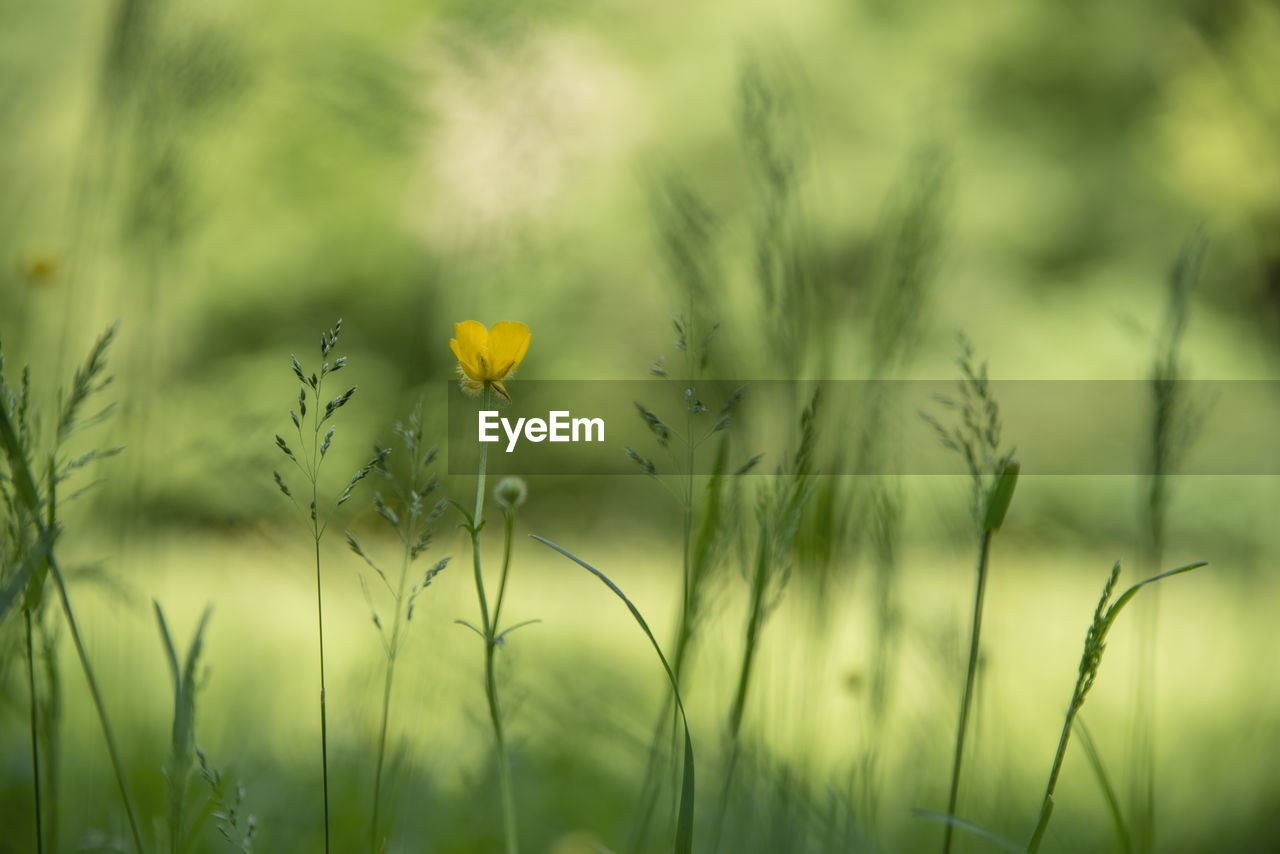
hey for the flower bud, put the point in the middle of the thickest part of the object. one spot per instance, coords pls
(510, 493)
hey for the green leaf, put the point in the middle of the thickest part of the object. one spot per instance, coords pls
(1001, 496)
(463, 622)
(183, 742)
(684, 821)
(1123, 843)
(501, 638)
(1114, 610)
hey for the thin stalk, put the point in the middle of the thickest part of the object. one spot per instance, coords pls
(744, 677)
(324, 718)
(382, 748)
(386, 702)
(1046, 809)
(49, 714)
(684, 629)
(490, 647)
(1124, 843)
(485, 400)
(317, 531)
(35, 749)
(684, 626)
(686, 615)
(393, 653)
(684, 633)
(755, 622)
(509, 528)
(504, 767)
(108, 737)
(967, 699)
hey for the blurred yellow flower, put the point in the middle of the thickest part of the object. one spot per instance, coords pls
(487, 356)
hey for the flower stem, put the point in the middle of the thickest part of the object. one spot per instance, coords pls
(35, 749)
(476, 517)
(504, 767)
(490, 647)
(967, 699)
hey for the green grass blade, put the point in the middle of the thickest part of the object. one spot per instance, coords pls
(19, 471)
(1123, 840)
(171, 655)
(32, 560)
(969, 827)
(1114, 610)
(182, 746)
(684, 822)
(708, 531)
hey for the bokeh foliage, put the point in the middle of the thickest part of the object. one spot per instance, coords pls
(840, 186)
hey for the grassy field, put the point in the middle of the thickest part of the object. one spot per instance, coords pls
(586, 691)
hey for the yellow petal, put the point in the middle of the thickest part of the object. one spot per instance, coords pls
(470, 338)
(508, 342)
(464, 364)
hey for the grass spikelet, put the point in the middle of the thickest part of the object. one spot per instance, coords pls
(994, 473)
(1104, 617)
(411, 491)
(30, 491)
(312, 448)
(702, 521)
(767, 570)
(228, 813)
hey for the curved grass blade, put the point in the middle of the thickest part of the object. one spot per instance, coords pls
(969, 827)
(1114, 610)
(1123, 840)
(684, 822)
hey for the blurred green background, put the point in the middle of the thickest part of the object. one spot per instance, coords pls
(228, 179)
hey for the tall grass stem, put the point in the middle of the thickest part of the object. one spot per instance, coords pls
(386, 706)
(970, 677)
(324, 718)
(35, 746)
(112, 750)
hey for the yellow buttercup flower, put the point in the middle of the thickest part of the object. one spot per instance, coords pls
(488, 356)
